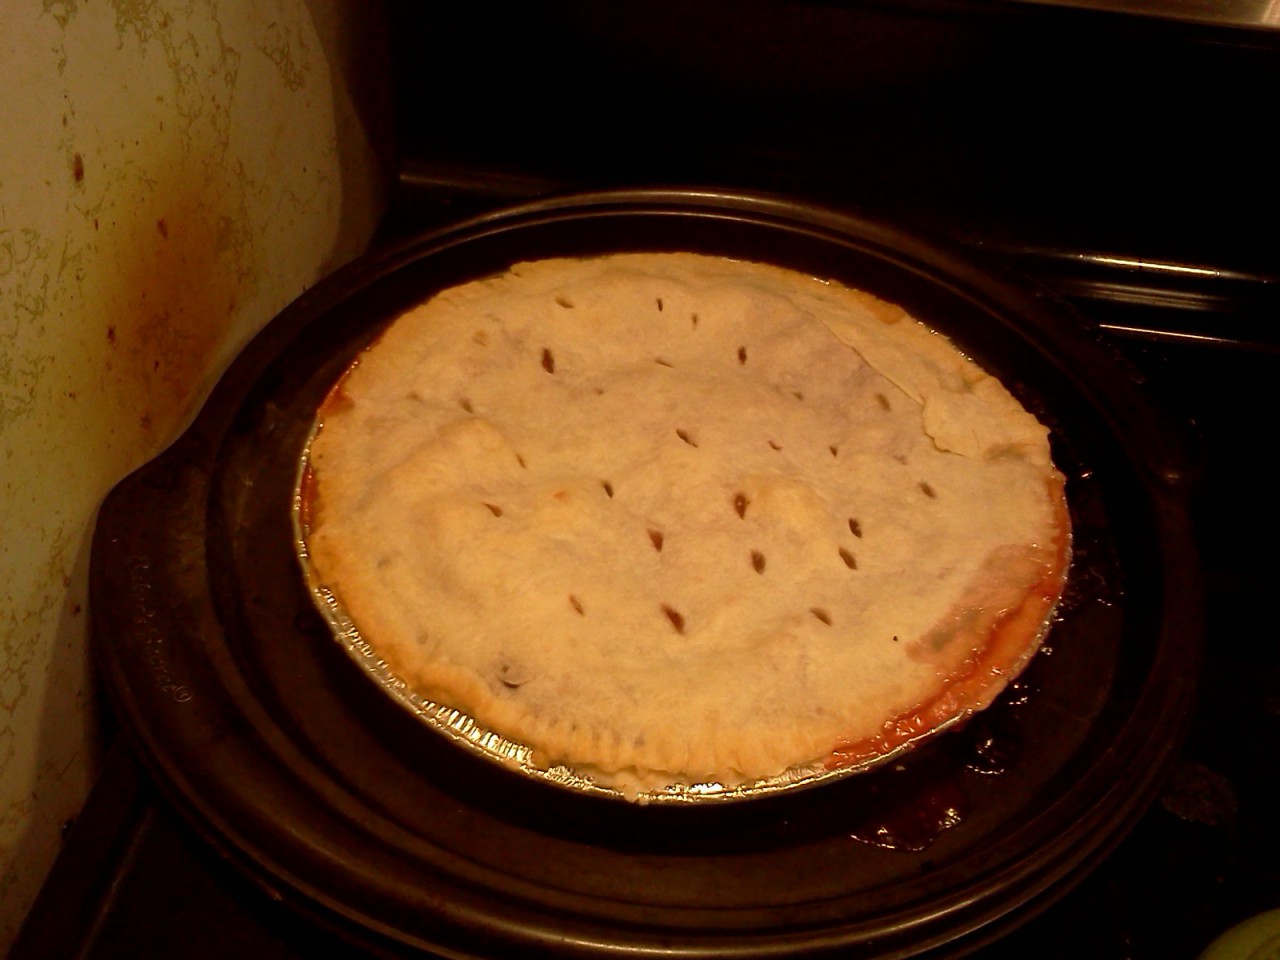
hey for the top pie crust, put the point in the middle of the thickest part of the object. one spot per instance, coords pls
(685, 518)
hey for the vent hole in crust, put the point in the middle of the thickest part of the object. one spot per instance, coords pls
(676, 618)
(656, 538)
(577, 605)
(757, 561)
(855, 528)
(821, 615)
(849, 560)
(512, 677)
(494, 509)
(740, 503)
(684, 435)
(564, 302)
(548, 361)
(928, 491)
(608, 488)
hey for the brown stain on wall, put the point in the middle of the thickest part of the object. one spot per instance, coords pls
(182, 266)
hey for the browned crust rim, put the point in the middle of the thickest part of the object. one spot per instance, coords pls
(1012, 637)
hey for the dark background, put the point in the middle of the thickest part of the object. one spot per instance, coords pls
(1014, 124)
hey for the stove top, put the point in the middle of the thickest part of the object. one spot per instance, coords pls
(139, 883)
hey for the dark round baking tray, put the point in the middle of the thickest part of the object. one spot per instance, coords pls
(305, 774)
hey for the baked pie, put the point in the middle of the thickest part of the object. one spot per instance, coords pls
(672, 518)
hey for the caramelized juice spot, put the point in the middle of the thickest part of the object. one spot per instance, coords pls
(306, 496)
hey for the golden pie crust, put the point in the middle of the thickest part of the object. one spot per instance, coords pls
(678, 519)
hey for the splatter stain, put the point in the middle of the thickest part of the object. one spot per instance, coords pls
(171, 292)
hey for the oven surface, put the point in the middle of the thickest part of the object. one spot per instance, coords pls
(975, 125)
